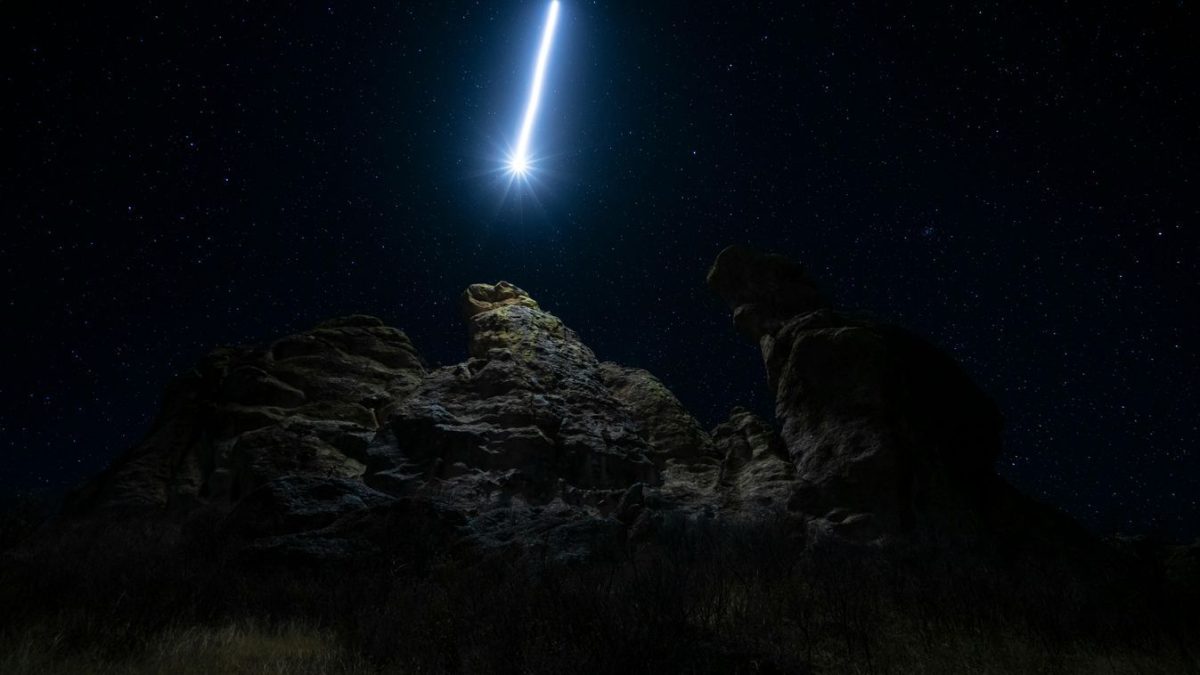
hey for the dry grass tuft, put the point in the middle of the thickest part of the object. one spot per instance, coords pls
(237, 648)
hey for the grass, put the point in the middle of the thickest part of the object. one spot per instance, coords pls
(739, 599)
(241, 647)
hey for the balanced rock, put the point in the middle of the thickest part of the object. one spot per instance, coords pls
(885, 431)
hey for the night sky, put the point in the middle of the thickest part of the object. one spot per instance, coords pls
(1017, 183)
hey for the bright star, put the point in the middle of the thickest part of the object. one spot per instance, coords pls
(517, 166)
(518, 162)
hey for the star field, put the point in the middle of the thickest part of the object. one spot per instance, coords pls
(1016, 183)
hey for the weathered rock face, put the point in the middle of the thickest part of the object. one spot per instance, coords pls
(528, 415)
(310, 442)
(886, 432)
(336, 441)
(755, 467)
(671, 432)
(306, 405)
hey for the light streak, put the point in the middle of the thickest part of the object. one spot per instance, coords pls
(518, 162)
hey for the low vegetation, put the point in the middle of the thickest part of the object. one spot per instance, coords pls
(710, 600)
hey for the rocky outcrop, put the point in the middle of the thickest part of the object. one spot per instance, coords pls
(886, 433)
(309, 442)
(671, 432)
(307, 405)
(339, 441)
(755, 468)
(529, 410)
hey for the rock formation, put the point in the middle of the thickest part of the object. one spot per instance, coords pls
(333, 442)
(885, 431)
(305, 406)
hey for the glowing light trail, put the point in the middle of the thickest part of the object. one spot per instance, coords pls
(518, 163)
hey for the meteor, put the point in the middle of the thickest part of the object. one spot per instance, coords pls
(518, 162)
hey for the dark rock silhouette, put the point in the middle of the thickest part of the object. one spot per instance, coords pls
(312, 444)
(886, 432)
